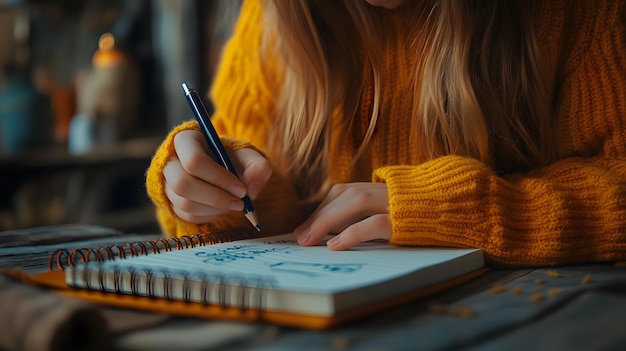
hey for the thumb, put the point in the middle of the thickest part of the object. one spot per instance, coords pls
(256, 170)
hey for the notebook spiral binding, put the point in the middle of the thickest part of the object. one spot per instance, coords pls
(245, 292)
(63, 258)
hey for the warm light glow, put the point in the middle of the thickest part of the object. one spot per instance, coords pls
(107, 56)
(106, 42)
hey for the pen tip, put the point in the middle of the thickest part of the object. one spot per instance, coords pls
(185, 88)
(258, 228)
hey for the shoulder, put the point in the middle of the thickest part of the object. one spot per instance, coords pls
(569, 30)
(251, 13)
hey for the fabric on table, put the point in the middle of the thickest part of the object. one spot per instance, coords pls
(33, 319)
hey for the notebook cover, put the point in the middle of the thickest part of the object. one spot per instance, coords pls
(55, 280)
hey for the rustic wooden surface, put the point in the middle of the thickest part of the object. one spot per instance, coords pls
(579, 307)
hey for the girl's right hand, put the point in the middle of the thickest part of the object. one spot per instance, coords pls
(200, 189)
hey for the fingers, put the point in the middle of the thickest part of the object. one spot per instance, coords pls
(200, 190)
(190, 149)
(193, 199)
(253, 168)
(185, 191)
(371, 228)
(257, 170)
(192, 211)
(345, 210)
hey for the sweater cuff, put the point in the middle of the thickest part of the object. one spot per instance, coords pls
(436, 203)
(155, 180)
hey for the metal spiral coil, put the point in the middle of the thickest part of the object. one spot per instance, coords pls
(63, 258)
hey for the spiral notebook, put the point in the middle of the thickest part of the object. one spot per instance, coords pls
(269, 279)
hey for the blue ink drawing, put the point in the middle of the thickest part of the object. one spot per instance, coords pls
(239, 252)
(289, 242)
(315, 269)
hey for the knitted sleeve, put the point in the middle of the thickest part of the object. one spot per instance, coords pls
(242, 94)
(571, 211)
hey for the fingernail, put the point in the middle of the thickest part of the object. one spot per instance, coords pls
(237, 190)
(304, 236)
(334, 241)
(236, 205)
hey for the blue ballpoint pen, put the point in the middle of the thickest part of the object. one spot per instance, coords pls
(202, 116)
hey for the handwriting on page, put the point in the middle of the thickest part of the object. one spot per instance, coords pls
(239, 252)
(315, 269)
(280, 256)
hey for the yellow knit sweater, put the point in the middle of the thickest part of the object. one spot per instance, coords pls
(574, 210)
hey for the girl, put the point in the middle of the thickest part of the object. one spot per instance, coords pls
(497, 124)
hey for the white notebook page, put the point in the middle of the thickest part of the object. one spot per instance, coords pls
(310, 269)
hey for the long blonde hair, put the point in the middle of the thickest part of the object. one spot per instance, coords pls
(480, 86)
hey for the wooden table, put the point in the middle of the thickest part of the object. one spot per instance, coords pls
(580, 307)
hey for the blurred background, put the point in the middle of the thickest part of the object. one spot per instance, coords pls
(88, 89)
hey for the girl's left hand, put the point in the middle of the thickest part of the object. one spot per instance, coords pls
(357, 212)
